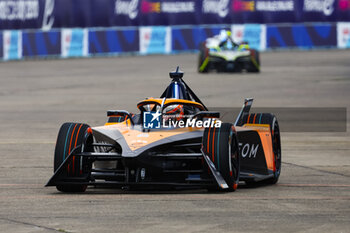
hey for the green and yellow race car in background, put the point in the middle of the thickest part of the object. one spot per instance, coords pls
(222, 54)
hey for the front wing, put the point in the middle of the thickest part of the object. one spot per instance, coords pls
(108, 178)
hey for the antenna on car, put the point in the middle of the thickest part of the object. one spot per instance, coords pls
(177, 74)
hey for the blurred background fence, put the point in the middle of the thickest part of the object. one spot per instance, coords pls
(80, 28)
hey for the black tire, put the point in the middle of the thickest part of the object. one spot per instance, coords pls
(254, 65)
(270, 119)
(202, 55)
(70, 136)
(221, 145)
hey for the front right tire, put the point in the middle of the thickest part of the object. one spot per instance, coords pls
(221, 145)
(69, 137)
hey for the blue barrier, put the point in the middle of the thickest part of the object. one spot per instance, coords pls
(1, 46)
(41, 43)
(82, 42)
(343, 35)
(74, 42)
(190, 38)
(155, 40)
(12, 44)
(301, 36)
(113, 41)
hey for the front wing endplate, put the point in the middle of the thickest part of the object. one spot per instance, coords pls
(218, 178)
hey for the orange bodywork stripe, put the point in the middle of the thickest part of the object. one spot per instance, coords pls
(212, 149)
(266, 142)
(254, 118)
(248, 118)
(169, 101)
(267, 126)
(135, 140)
(208, 140)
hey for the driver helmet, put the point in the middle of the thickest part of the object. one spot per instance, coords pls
(223, 35)
(175, 111)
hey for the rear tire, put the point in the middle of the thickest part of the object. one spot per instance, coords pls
(254, 64)
(203, 54)
(70, 136)
(221, 145)
(270, 119)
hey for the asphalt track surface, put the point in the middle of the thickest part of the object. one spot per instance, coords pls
(36, 97)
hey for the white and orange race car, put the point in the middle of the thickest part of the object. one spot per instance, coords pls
(174, 141)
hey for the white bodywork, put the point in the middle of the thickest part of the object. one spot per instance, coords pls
(230, 55)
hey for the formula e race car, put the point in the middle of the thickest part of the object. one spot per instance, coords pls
(174, 141)
(222, 54)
